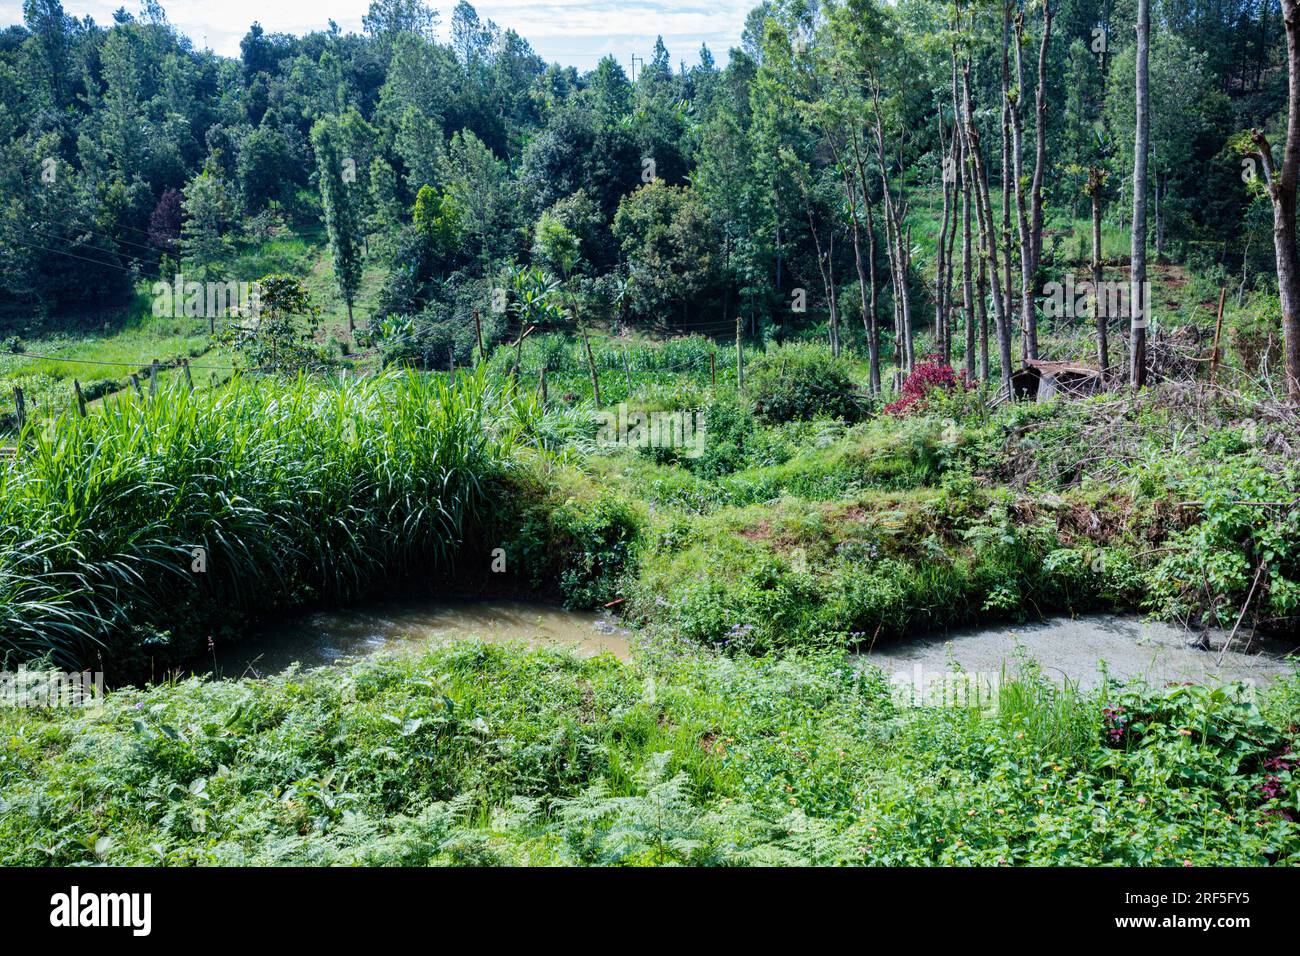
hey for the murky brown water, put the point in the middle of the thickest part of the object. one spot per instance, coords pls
(328, 637)
(1130, 646)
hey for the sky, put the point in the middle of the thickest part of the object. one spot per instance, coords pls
(570, 32)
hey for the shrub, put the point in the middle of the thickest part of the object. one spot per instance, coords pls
(928, 377)
(802, 382)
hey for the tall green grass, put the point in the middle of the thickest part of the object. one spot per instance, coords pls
(297, 491)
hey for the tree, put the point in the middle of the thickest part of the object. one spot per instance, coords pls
(1141, 147)
(50, 27)
(436, 218)
(165, 221)
(281, 337)
(341, 200)
(480, 187)
(207, 214)
(555, 244)
(667, 236)
(1281, 184)
(265, 167)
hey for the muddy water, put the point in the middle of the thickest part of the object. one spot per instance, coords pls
(1130, 646)
(328, 637)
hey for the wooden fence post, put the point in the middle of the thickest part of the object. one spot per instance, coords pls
(188, 380)
(153, 378)
(519, 354)
(20, 407)
(478, 330)
(1218, 329)
(135, 383)
(591, 365)
(740, 356)
(81, 399)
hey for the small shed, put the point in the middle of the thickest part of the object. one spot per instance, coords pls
(1039, 381)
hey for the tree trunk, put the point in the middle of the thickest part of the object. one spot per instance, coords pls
(1010, 169)
(1040, 156)
(967, 296)
(940, 268)
(868, 304)
(1028, 320)
(1098, 308)
(1138, 258)
(1282, 190)
(906, 255)
(964, 182)
(873, 328)
(985, 209)
(869, 315)
(895, 214)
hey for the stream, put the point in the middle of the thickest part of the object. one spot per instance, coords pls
(1072, 647)
(318, 638)
(1065, 648)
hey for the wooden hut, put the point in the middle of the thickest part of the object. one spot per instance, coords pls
(1039, 381)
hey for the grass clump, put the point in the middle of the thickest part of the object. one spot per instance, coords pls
(133, 534)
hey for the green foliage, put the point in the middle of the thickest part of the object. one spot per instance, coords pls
(799, 382)
(295, 491)
(1249, 527)
(437, 219)
(281, 337)
(488, 755)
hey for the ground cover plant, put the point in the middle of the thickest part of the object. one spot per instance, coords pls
(497, 755)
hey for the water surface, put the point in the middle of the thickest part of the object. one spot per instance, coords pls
(328, 637)
(1071, 648)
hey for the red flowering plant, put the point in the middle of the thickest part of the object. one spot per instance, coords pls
(926, 378)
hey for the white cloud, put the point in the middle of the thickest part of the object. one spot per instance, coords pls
(576, 32)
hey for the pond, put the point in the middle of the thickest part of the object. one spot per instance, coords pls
(328, 637)
(1071, 648)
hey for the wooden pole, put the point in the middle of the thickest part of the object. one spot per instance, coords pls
(81, 399)
(478, 330)
(627, 372)
(591, 366)
(20, 407)
(519, 352)
(740, 356)
(153, 378)
(135, 383)
(1218, 330)
(188, 380)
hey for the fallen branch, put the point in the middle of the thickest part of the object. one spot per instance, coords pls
(1240, 617)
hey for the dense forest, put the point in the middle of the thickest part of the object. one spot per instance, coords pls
(779, 189)
(958, 337)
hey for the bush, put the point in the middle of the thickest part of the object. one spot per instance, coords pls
(928, 377)
(802, 382)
